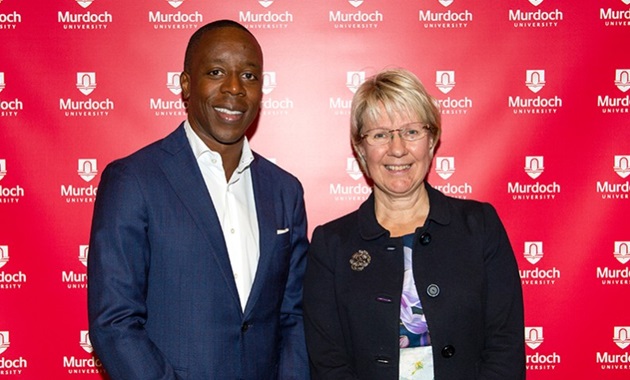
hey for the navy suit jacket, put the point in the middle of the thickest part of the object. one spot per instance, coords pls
(162, 299)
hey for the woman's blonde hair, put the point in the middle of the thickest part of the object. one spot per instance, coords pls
(399, 91)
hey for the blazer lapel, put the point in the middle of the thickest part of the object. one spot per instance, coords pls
(182, 171)
(264, 190)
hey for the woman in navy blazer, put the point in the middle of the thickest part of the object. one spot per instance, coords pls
(414, 284)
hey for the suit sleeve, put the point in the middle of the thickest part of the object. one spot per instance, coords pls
(324, 338)
(503, 356)
(117, 280)
(293, 357)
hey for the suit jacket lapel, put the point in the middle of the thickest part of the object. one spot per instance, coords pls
(182, 171)
(265, 211)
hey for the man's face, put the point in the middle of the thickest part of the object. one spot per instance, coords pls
(223, 86)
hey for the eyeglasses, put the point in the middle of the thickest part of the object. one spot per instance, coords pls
(409, 132)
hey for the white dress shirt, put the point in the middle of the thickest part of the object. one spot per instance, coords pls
(236, 208)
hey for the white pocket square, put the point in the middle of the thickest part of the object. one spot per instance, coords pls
(282, 231)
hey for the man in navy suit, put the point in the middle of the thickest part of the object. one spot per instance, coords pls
(197, 247)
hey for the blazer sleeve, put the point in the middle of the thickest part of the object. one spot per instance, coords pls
(324, 338)
(503, 355)
(117, 280)
(293, 357)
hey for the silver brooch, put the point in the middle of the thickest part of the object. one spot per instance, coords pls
(360, 260)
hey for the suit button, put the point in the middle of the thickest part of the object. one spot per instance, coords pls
(244, 327)
(425, 238)
(448, 351)
(433, 290)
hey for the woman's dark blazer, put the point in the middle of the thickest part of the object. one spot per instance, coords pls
(467, 279)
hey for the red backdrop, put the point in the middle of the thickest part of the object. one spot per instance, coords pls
(535, 102)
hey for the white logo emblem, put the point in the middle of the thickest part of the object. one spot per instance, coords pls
(3, 168)
(85, 3)
(85, 341)
(354, 80)
(533, 337)
(87, 169)
(621, 336)
(4, 341)
(445, 80)
(86, 82)
(446, 3)
(445, 166)
(534, 166)
(622, 78)
(533, 251)
(2, 85)
(265, 4)
(536, 2)
(4, 256)
(175, 3)
(622, 251)
(172, 82)
(353, 169)
(625, 1)
(622, 166)
(355, 3)
(535, 80)
(83, 254)
(269, 81)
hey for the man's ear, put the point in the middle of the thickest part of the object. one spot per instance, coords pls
(184, 82)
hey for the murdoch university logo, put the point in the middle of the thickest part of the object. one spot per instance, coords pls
(356, 19)
(170, 107)
(621, 336)
(449, 19)
(534, 166)
(4, 341)
(354, 79)
(9, 194)
(82, 194)
(535, 80)
(172, 82)
(533, 251)
(269, 82)
(265, 20)
(4, 256)
(445, 167)
(534, 337)
(85, 342)
(3, 168)
(615, 17)
(622, 79)
(86, 82)
(87, 169)
(617, 104)
(274, 106)
(445, 81)
(622, 166)
(616, 276)
(619, 190)
(83, 254)
(622, 253)
(538, 361)
(353, 192)
(9, 107)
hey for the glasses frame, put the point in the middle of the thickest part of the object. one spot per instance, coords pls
(400, 131)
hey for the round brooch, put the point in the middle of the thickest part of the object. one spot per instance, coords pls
(360, 260)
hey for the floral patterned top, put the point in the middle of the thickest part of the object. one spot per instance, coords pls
(416, 356)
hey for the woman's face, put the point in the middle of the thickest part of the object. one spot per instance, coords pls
(399, 167)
